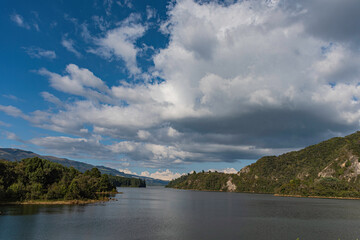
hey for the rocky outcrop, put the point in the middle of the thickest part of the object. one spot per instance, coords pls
(231, 187)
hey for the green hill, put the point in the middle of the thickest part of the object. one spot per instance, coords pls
(330, 168)
(39, 179)
(13, 154)
(127, 182)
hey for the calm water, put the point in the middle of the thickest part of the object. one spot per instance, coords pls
(159, 213)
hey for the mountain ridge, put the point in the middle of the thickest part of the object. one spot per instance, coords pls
(15, 154)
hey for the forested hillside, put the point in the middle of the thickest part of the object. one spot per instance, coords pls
(330, 168)
(39, 179)
(127, 182)
(13, 154)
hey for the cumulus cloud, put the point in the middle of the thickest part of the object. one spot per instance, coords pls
(142, 134)
(120, 42)
(166, 175)
(78, 81)
(330, 20)
(238, 81)
(225, 170)
(127, 171)
(156, 155)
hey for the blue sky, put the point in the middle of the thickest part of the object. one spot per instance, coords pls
(161, 88)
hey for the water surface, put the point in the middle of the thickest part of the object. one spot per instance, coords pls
(159, 213)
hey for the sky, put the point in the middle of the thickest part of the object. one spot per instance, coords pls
(161, 88)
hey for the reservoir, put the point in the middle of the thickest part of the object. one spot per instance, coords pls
(159, 213)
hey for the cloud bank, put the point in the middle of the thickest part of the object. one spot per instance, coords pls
(238, 81)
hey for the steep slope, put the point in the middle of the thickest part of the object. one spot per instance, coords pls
(12, 154)
(330, 168)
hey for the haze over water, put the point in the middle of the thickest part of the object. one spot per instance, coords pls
(160, 213)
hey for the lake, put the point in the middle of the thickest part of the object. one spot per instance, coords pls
(159, 213)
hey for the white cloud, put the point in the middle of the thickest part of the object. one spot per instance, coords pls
(150, 12)
(13, 136)
(36, 52)
(36, 26)
(89, 147)
(78, 81)
(156, 155)
(142, 134)
(239, 81)
(166, 175)
(226, 170)
(51, 98)
(4, 124)
(84, 130)
(12, 97)
(69, 44)
(127, 171)
(172, 132)
(125, 3)
(19, 20)
(101, 23)
(12, 111)
(120, 42)
(108, 6)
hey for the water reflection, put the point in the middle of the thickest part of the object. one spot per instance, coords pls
(36, 209)
(159, 213)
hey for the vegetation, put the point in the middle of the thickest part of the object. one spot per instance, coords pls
(12, 154)
(330, 169)
(208, 181)
(39, 179)
(119, 181)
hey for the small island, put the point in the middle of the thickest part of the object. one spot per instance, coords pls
(39, 181)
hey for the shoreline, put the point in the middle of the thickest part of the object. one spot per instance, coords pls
(323, 197)
(57, 202)
(99, 193)
(276, 194)
(64, 202)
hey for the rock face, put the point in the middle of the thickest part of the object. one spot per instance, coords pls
(328, 171)
(330, 168)
(244, 170)
(230, 186)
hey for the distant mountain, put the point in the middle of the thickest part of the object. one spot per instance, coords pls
(330, 168)
(13, 154)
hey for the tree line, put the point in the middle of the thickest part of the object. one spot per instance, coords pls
(119, 181)
(39, 179)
